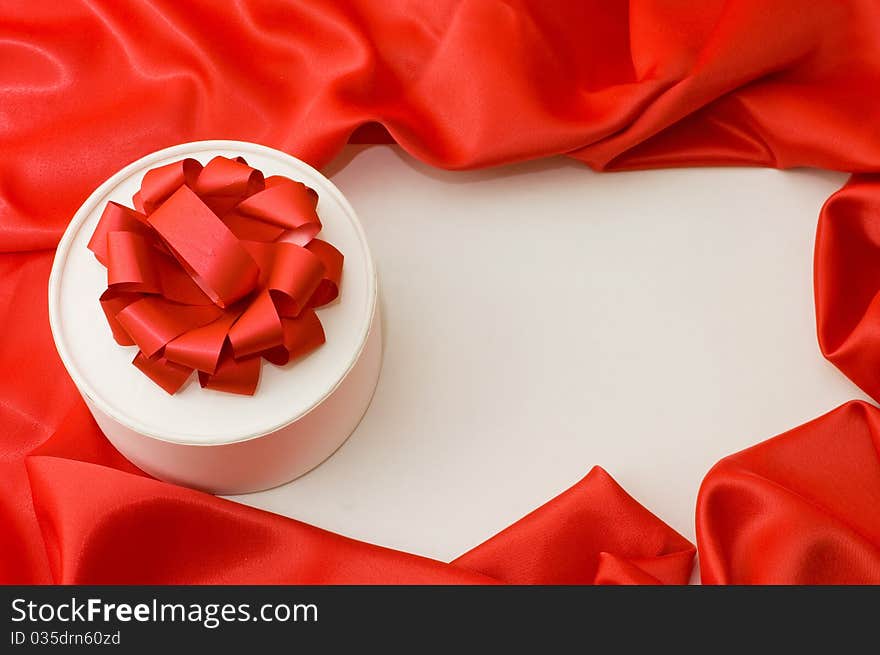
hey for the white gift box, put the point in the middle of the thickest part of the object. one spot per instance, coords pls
(220, 442)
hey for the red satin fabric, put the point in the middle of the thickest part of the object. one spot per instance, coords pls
(215, 268)
(90, 86)
(847, 281)
(104, 522)
(615, 84)
(801, 508)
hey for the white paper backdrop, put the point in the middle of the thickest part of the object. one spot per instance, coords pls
(541, 318)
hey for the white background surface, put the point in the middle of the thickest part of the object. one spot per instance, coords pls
(541, 318)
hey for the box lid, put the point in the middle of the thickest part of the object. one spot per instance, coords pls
(102, 369)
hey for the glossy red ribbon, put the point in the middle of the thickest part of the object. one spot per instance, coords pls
(214, 269)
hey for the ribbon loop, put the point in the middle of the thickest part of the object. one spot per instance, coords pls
(159, 183)
(331, 258)
(296, 275)
(228, 177)
(129, 263)
(287, 204)
(116, 218)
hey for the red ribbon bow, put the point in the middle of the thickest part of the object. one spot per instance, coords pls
(216, 268)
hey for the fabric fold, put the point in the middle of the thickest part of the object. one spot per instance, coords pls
(800, 508)
(846, 272)
(157, 533)
(458, 85)
(586, 536)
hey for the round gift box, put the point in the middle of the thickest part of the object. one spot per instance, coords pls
(220, 442)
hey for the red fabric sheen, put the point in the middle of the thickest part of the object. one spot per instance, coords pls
(800, 508)
(615, 85)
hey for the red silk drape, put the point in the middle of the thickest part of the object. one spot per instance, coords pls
(86, 87)
(797, 509)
